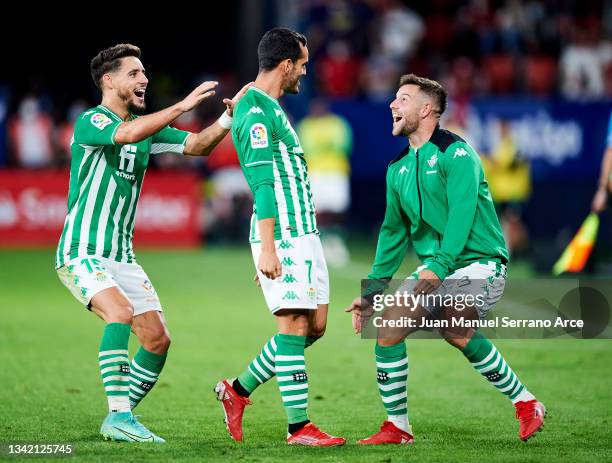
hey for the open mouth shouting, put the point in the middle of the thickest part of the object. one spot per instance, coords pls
(140, 94)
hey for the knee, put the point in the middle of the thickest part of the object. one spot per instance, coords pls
(316, 331)
(389, 341)
(121, 313)
(299, 325)
(455, 341)
(159, 343)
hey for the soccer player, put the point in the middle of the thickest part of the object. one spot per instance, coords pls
(438, 198)
(284, 240)
(111, 148)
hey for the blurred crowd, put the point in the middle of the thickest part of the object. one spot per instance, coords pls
(475, 47)
(358, 50)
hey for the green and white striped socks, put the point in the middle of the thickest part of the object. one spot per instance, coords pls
(485, 358)
(392, 376)
(144, 372)
(115, 366)
(291, 376)
(262, 368)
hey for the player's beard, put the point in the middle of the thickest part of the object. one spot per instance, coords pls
(135, 108)
(293, 86)
(409, 126)
(132, 106)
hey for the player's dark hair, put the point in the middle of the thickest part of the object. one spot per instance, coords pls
(429, 87)
(278, 45)
(109, 60)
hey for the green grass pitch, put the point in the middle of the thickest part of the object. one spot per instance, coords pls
(50, 390)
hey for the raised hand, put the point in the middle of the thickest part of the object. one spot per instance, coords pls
(230, 104)
(199, 94)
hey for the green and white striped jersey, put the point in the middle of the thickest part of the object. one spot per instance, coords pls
(105, 183)
(269, 151)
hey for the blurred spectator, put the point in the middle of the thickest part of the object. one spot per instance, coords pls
(379, 77)
(399, 29)
(582, 65)
(31, 135)
(540, 74)
(500, 72)
(65, 132)
(509, 179)
(338, 71)
(327, 141)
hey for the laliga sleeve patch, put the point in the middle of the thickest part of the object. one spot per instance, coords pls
(99, 121)
(259, 136)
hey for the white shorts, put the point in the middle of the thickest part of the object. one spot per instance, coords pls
(330, 192)
(86, 276)
(304, 282)
(483, 280)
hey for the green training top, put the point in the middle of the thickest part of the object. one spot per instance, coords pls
(438, 198)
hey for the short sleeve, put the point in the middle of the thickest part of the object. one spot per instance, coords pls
(95, 128)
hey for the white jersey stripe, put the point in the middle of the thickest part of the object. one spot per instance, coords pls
(307, 203)
(158, 148)
(299, 225)
(282, 205)
(75, 207)
(128, 217)
(103, 222)
(92, 196)
(115, 237)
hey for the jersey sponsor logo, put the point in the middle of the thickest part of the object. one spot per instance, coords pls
(289, 278)
(403, 169)
(99, 121)
(259, 136)
(432, 161)
(288, 262)
(460, 152)
(255, 110)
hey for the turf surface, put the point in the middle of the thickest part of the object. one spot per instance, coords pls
(51, 391)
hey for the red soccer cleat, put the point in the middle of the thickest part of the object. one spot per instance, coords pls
(312, 436)
(531, 417)
(388, 434)
(233, 407)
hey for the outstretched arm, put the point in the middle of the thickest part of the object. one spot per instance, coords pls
(201, 144)
(145, 126)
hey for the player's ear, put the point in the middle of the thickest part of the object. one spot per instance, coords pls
(426, 109)
(287, 66)
(107, 81)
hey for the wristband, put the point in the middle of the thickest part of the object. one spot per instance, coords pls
(225, 121)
